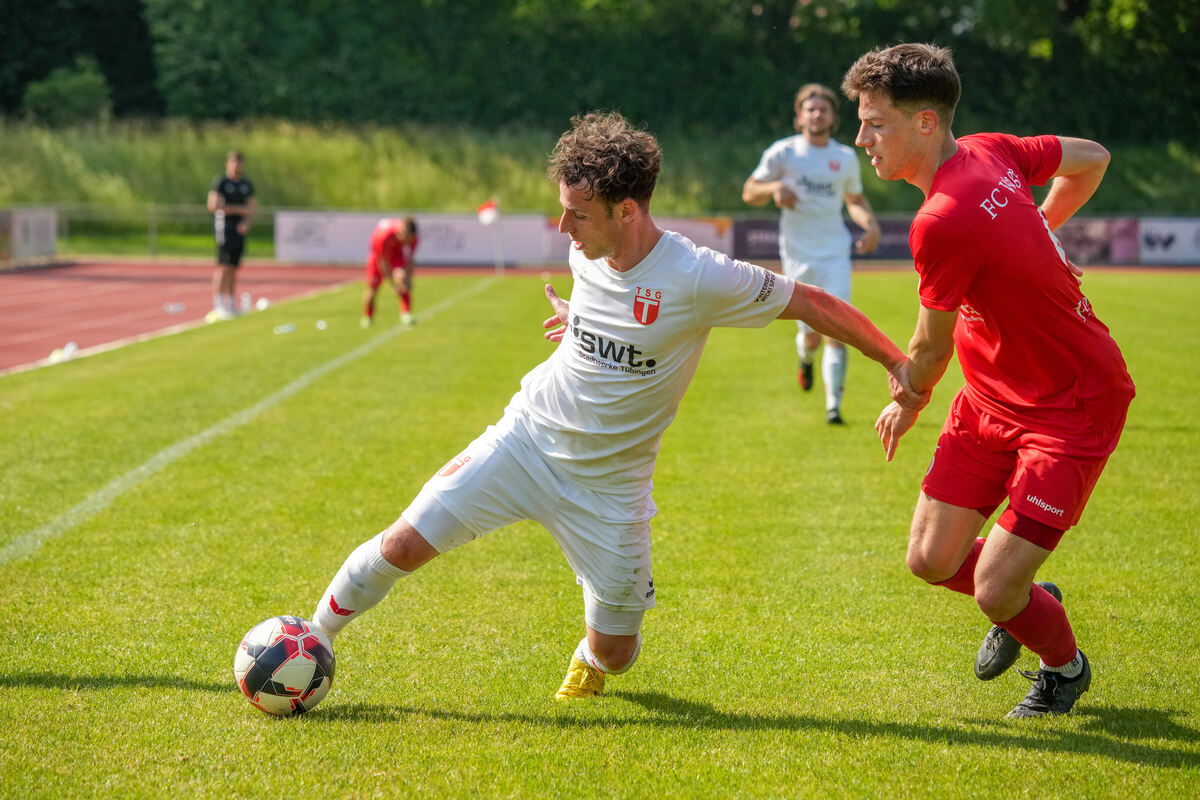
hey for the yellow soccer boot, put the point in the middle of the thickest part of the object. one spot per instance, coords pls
(582, 680)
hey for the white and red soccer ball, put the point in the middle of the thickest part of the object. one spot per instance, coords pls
(284, 665)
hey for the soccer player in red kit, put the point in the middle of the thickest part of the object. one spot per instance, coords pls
(390, 257)
(1046, 386)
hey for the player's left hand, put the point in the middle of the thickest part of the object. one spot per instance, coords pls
(894, 421)
(556, 326)
(867, 242)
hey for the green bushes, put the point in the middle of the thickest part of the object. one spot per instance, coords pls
(69, 95)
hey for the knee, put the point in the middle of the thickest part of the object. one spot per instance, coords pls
(999, 601)
(930, 566)
(933, 553)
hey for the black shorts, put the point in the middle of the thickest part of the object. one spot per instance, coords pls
(229, 251)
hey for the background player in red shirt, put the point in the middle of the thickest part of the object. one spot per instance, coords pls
(390, 257)
(1046, 386)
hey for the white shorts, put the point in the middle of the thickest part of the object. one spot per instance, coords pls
(832, 275)
(501, 478)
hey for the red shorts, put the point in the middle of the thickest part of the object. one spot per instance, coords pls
(374, 276)
(981, 459)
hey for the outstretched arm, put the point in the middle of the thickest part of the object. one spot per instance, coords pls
(839, 320)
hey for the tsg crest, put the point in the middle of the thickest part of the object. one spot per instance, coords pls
(646, 304)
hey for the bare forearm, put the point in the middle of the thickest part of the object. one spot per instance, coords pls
(926, 364)
(1066, 196)
(1084, 163)
(839, 320)
(758, 193)
(863, 217)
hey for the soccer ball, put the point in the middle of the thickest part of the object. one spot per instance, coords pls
(284, 665)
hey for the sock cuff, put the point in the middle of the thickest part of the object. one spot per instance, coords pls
(377, 563)
(584, 654)
(1070, 669)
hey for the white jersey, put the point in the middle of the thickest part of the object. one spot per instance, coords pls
(821, 177)
(597, 408)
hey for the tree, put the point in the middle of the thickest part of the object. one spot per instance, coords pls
(69, 95)
(38, 36)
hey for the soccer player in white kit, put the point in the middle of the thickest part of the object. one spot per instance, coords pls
(576, 447)
(810, 176)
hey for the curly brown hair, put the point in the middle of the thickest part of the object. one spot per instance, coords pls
(609, 156)
(910, 75)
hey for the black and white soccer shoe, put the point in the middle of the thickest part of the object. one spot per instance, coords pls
(1052, 694)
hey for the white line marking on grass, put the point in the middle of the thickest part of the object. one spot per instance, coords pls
(28, 543)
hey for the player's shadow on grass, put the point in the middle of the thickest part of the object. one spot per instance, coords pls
(1113, 733)
(1118, 734)
(51, 680)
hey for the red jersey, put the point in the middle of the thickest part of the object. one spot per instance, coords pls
(1032, 351)
(384, 243)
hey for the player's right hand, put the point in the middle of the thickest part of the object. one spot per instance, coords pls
(556, 326)
(784, 197)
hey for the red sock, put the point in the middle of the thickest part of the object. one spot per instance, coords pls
(405, 302)
(1043, 627)
(963, 581)
(369, 310)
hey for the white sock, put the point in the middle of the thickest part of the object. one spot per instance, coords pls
(802, 349)
(364, 579)
(1071, 669)
(833, 373)
(584, 653)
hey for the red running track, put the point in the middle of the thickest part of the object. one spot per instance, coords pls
(100, 305)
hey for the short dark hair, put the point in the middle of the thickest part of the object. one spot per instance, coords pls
(609, 156)
(913, 76)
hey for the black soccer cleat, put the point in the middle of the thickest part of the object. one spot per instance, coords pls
(804, 375)
(834, 417)
(1000, 649)
(1052, 694)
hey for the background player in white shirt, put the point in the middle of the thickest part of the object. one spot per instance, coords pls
(809, 177)
(576, 447)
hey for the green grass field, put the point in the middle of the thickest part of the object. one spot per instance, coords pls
(159, 500)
